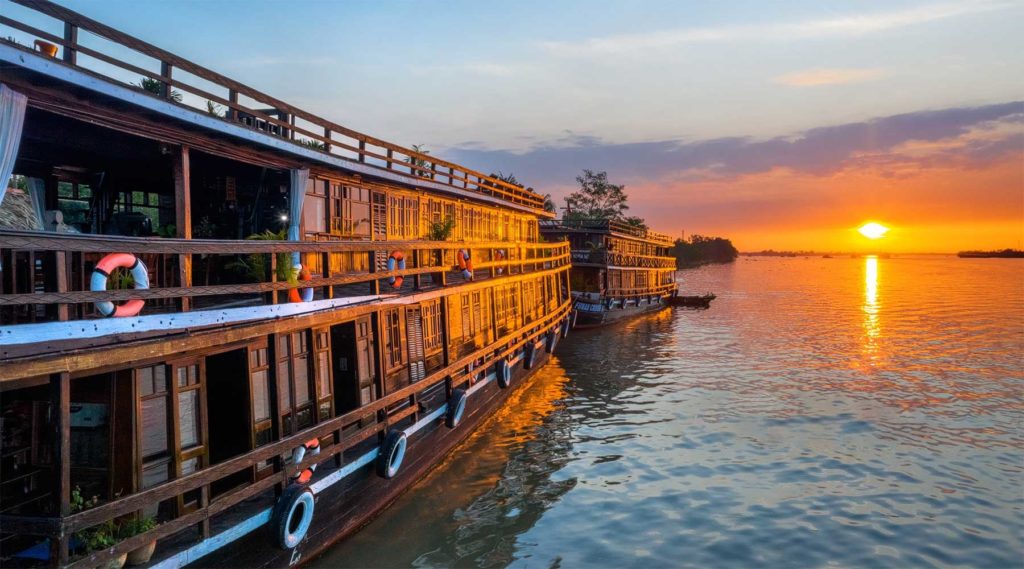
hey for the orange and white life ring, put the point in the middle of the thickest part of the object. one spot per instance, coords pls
(101, 273)
(313, 448)
(465, 263)
(304, 294)
(396, 260)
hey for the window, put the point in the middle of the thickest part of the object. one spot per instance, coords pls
(350, 211)
(322, 373)
(314, 208)
(432, 327)
(293, 381)
(394, 352)
(404, 217)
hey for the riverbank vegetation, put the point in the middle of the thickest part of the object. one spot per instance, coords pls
(703, 250)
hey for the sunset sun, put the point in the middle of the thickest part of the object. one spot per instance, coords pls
(873, 230)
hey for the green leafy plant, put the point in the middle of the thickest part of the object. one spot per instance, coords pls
(314, 144)
(135, 526)
(157, 88)
(441, 230)
(167, 230)
(214, 109)
(254, 265)
(421, 163)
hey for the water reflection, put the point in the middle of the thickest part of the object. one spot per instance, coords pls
(872, 328)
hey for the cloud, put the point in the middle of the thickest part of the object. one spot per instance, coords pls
(482, 68)
(818, 151)
(956, 168)
(822, 77)
(845, 26)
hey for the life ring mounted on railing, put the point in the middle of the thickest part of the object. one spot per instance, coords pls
(106, 266)
(313, 448)
(465, 263)
(304, 294)
(396, 260)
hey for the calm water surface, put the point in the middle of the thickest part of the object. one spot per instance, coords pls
(846, 412)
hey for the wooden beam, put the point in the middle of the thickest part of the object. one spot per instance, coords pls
(180, 169)
(60, 444)
(71, 39)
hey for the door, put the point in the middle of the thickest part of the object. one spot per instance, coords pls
(380, 227)
(414, 336)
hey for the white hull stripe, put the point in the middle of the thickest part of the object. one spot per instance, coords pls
(250, 525)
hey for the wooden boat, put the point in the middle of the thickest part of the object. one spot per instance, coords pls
(256, 399)
(703, 301)
(618, 270)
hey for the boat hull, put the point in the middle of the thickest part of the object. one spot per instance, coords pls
(352, 502)
(592, 315)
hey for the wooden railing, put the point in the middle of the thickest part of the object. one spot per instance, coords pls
(622, 259)
(245, 105)
(639, 292)
(59, 529)
(606, 225)
(423, 257)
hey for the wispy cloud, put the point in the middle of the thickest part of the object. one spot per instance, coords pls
(482, 68)
(846, 26)
(822, 77)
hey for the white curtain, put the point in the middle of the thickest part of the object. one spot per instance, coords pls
(12, 118)
(298, 194)
(37, 191)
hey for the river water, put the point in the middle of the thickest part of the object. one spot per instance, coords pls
(850, 412)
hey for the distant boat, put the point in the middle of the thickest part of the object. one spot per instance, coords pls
(1003, 254)
(692, 301)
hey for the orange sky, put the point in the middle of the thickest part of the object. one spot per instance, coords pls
(943, 180)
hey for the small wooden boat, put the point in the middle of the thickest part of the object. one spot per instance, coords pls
(692, 301)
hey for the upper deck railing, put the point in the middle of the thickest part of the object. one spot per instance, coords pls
(117, 57)
(606, 225)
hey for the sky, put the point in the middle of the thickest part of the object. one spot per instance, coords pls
(781, 125)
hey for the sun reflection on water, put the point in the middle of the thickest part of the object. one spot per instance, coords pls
(872, 325)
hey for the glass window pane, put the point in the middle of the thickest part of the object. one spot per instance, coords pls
(188, 417)
(284, 401)
(260, 396)
(182, 377)
(145, 381)
(189, 466)
(154, 426)
(282, 346)
(154, 473)
(159, 379)
(301, 380)
(323, 361)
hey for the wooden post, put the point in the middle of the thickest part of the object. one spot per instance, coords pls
(71, 37)
(183, 216)
(362, 152)
(273, 277)
(233, 97)
(166, 69)
(391, 156)
(60, 443)
(60, 262)
(327, 145)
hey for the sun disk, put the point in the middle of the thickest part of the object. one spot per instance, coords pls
(873, 230)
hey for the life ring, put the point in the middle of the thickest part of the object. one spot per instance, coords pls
(456, 408)
(465, 263)
(313, 448)
(396, 259)
(392, 452)
(529, 354)
(499, 255)
(303, 294)
(550, 341)
(102, 271)
(503, 372)
(292, 516)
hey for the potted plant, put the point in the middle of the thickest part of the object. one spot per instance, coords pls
(98, 537)
(133, 527)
